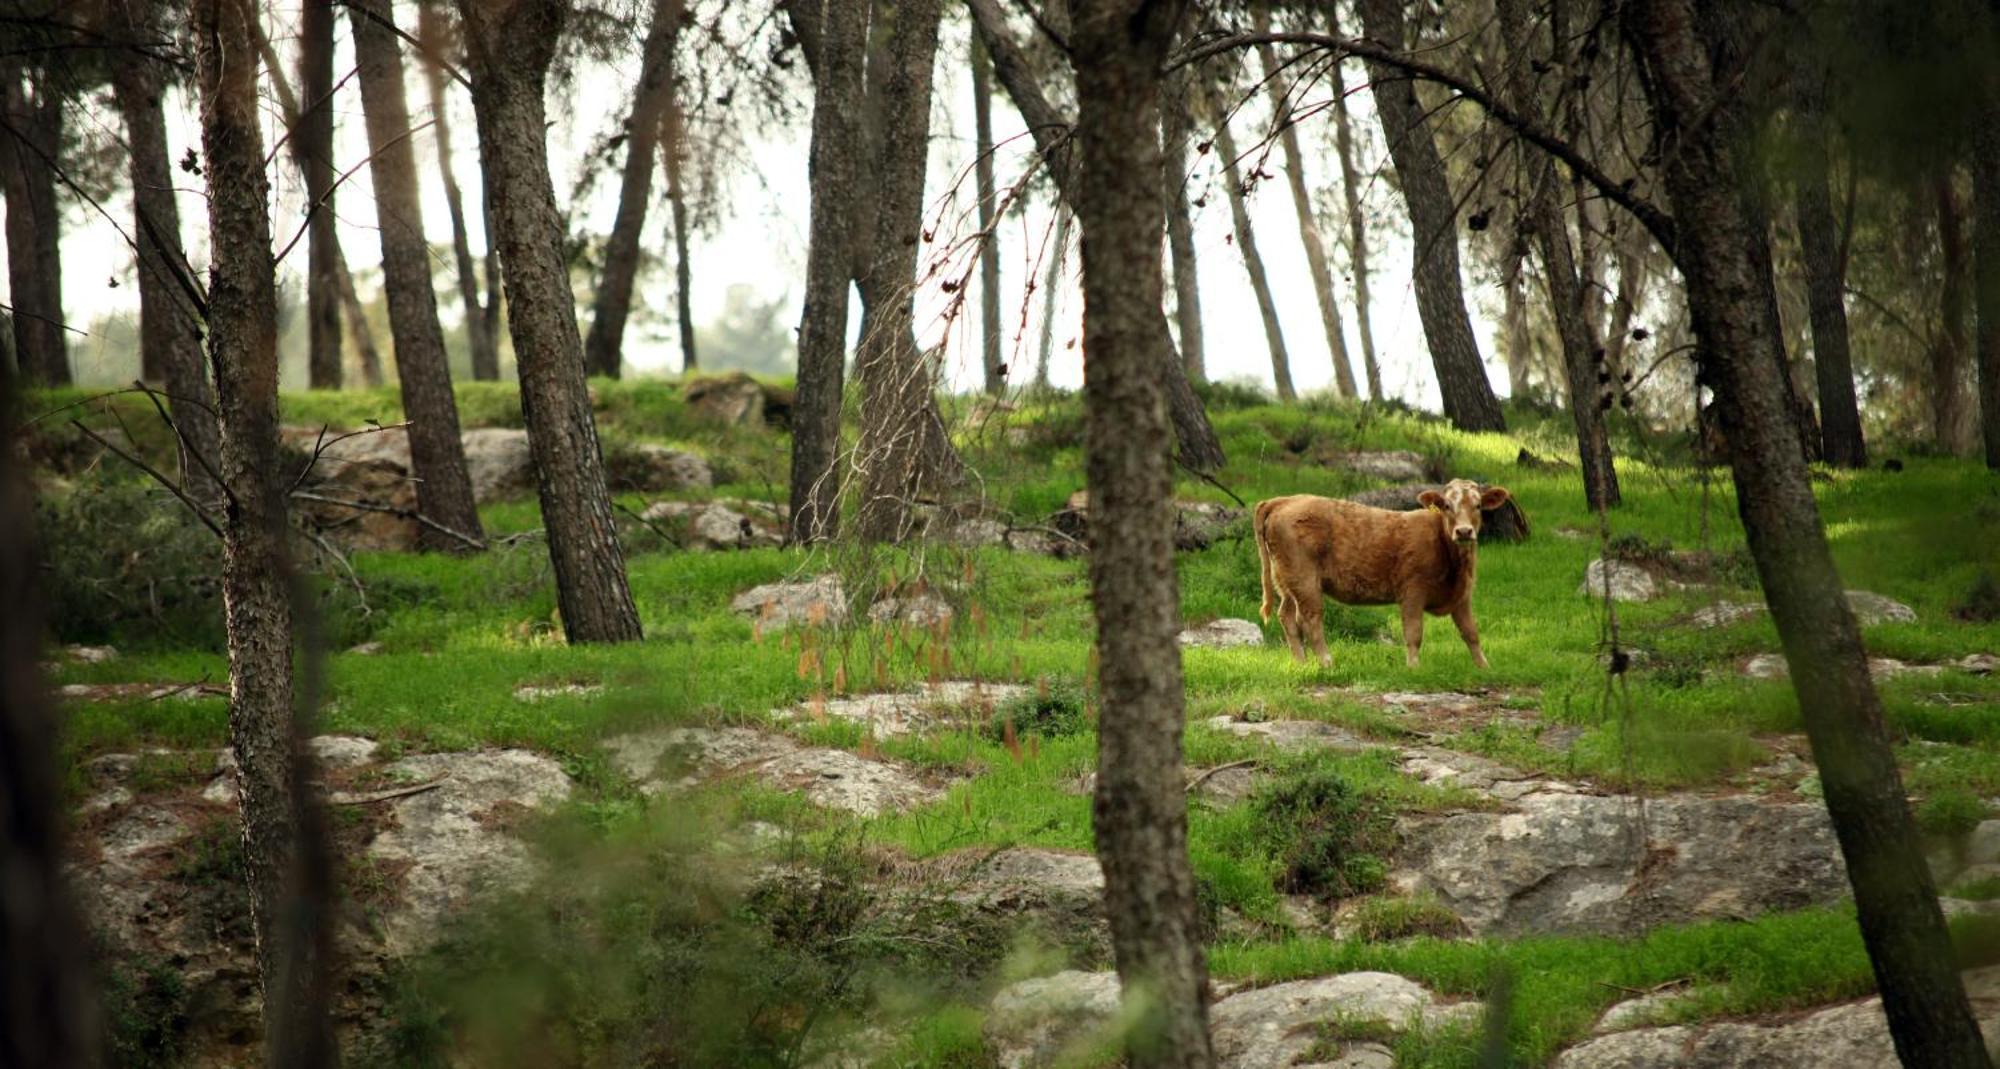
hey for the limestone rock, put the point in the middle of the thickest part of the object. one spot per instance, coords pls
(1871, 608)
(952, 703)
(1036, 1022)
(737, 400)
(342, 751)
(1628, 581)
(498, 460)
(1223, 634)
(1396, 465)
(1274, 1027)
(781, 605)
(541, 692)
(836, 779)
(713, 525)
(1636, 1012)
(1293, 734)
(918, 610)
(649, 466)
(1724, 613)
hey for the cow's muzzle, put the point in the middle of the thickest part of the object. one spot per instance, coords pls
(1466, 536)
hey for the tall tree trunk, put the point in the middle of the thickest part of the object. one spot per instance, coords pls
(34, 225)
(903, 452)
(1052, 282)
(494, 295)
(673, 148)
(169, 325)
(1743, 359)
(1544, 224)
(243, 347)
(989, 246)
(837, 66)
(1174, 131)
(1986, 239)
(1295, 177)
(433, 32)
(1841, 443)
(508, 52)
(1199, 447)
(1357, 223)
(358, 328)
(1517, 342)
(1468, 398)
(312, 147)
(1253, 261)
(1140, 809)
(603, 348)
(437, 455)
(1952, 406)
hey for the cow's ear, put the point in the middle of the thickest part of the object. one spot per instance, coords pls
(1493, 498)
(1431, 499)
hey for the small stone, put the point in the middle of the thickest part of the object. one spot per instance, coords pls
(541, 692)
(365, 649)
(1223, 634)
(1724, 613)
(342, 751)
(921, 610)
(1979, 664)
(90, 654)
(1636, 1012)
(1627, 581)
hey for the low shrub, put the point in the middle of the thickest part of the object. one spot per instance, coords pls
(1327, 838)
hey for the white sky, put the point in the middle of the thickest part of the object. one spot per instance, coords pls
(762, 242)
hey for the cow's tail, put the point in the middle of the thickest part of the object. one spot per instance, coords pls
(1259, 528)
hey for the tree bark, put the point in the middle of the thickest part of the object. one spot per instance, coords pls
(1841, 442)
(602, 349)
(433, 32)
(1952, 406)
(837, 69)
(437, 455)
(1544, 225)
(494, 294)
(312, 147)
(1517, 341)
(1986, 239)
(1295, 178)
(1199, 447)
(169, 326)
(1469, 401)
(673, 148)
(1051, 283)
(1742, 358)
(989, 246)
(34, 226)
(1174, 132)
(1140, 808)
(1357, 223)
(508, 50)
(1253, 261)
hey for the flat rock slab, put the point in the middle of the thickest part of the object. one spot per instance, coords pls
(1869, 608)
(1775, 666)
(952, 703)
(1294, 734)
(814, 602)
(1440, 767)
(836, 779)
(1853, 1035)
(1223, 634)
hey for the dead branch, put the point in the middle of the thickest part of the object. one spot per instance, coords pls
(393, 510)
(172, 486)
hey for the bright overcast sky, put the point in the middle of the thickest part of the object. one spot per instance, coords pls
(762, 242)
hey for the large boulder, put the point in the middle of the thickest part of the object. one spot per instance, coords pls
(1051, 1020)
(1396, 465)
(648, 466)
(712, 525)
(1504, 524)
(737, 400)
(499, 462)
(833, 778)
(814, 602)
(1625, 581)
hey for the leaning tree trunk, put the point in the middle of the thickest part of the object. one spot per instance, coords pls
(169, 324)
(34, 227)
(1140, 809)
(1544, 224)
(1841, 443)
(1253, 261)
(1295, 178)
(1952, 409)
(1468, 398)
(508, 51)
(1051, 283)
(673, 150)
(1743, 359)
(1986, 241)
(1357, 224)
(437, 455)
(903, 452)
(312, 147)
(989, 243)
(1174, 131)
(602, 350)
(836, 171)
(1200, 449)
(432, 31)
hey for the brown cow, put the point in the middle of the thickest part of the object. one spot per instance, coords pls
(1424, 560)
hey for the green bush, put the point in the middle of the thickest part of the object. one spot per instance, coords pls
(1063, 710)
(1327, 837)
(123, 561)
(1953, 811)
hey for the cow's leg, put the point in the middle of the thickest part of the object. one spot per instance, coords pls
(1288, 620)
(1468, 629)
(1413, 630)
(1312, 621)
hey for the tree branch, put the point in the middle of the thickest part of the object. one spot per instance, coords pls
(393, 510)
(173, 487)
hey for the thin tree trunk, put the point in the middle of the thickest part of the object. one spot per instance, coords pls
(1174, 131)
(602, 350)
(989, 247)
(1986, 239)
(1199, 447)
(437, 455)
(433, 32)
(358, 328)
(1952, 406)
(34, 227)
(1468, 398)
(1841, 443)
(1253, 261)
(1140, 808)
(673, 148)
(903, 452)
(508, 54)
(1514, 324)
(1544, 224)
(1743, 358)
(494, 295)
(1295, 177)
(1051, 283)
(312, 147)
(837, 69)
(1357, 223)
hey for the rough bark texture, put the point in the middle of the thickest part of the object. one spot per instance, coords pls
(837, 68)
(485, 352)
(437, 457)
(1544, 224)
(1518, 345)
(1295, 179)
(169, 325)
(494, 295)
(903, 452)
(1174, 128)
(312, 147)
(602, 349)
(1986, 239)
(673, 151)
(1140, 809)
(34, 225)
(1468, 398)
(1253, 261)
(1953, 408)
(1841, 443)
(1357, 224)
(1051, 283)
(508, 49)
(1200, 449)
(989, 247)
(1728, 290)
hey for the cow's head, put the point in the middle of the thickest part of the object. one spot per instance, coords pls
(1464, 506)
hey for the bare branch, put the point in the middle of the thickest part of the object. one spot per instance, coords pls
(173, 487)
(393, 510)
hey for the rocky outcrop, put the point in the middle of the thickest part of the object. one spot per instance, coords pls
(714, 525)
(1223, 634)
(954, 703)
(775, 606)
(1051, 1020)
(833, 778)
(737, 400)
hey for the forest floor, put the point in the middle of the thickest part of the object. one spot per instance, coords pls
(1544, 836)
